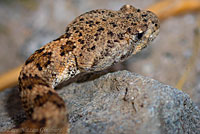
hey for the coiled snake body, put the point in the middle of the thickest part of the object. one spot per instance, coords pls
(92, 42)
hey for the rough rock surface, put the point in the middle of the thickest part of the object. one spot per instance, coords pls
(120, 102)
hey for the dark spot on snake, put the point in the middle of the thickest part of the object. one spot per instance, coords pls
(62, 47)
(144, 15)
(100, 29)
(81, 41)
(57, 104)
(97, 22)
(40, 50)
(57, 39)
(39, 67)
(37, 97)
(53, 74)
(81, 19)
(37, 77)
(74, 22)
(116, 40)
(67, 29)
(106, 53)
(96, 61)
(74, 28)
(48, 53)
(68, 35)
(62, 53)
(110, 45)
(91, 22)
(128, 17)
(29, 61)
(47, 63)
(96, 34)
(129, 30)
(62, 36)
(120, 36)
(24, 76)
(43, 83)
(113, 24)
(112, 15)
(30, 87)
(110, 33)
(80, 34)
(93, 47)
(69, 42)
(145, 20)
(50, 92)
(124, 56)
(134, 24)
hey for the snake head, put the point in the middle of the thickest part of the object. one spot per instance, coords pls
(142, 26)
(106, 37)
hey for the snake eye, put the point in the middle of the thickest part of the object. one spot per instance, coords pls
(139, 35)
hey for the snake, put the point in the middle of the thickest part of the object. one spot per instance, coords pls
(92, 42)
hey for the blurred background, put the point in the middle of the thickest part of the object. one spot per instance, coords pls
(26, 25)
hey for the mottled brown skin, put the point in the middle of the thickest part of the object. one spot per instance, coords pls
(93, 41)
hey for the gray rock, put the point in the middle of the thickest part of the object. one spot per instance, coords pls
(122, 103)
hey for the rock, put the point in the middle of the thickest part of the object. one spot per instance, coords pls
(122, 103)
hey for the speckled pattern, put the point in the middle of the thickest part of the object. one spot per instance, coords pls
(93, 41)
